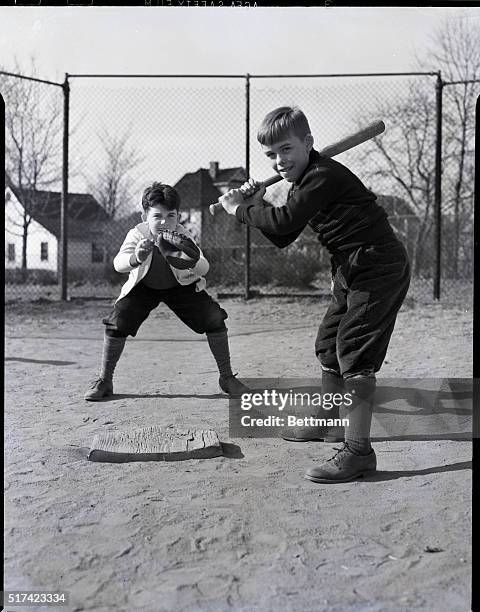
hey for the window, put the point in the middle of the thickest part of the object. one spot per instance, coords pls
(98, 253)
(44, 251)
(11, 252)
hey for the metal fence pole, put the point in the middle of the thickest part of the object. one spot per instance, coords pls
(438, 189)
(64, 206)
(476, 271)
(476, 340)
(247, 170)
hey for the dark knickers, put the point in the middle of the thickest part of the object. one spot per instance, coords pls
(197, 309)
(369, 286)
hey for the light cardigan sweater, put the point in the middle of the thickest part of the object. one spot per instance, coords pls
(122, 264)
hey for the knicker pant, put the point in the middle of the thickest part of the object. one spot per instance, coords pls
(369, 286)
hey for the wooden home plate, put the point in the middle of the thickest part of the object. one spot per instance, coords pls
(155, 444)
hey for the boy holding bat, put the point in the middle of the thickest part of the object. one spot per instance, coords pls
(164, 265)
(370, 276)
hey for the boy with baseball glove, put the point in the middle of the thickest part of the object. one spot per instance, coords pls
(164, 265)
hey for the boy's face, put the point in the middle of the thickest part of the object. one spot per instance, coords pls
(289, 156)
(160, 217)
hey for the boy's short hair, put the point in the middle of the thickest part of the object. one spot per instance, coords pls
(280, 122)
(159, 193)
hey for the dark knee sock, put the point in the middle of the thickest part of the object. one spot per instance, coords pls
(218, 343)
(112, 349)
(333, 385)
(359, 414)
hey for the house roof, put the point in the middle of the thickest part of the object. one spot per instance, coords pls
(85, 215)
(196, 189)
(228, 175)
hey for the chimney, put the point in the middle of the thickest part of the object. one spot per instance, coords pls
(213, 170)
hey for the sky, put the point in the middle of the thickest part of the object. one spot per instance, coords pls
(219, 40)
(180, 125)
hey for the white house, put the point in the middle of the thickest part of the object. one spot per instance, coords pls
(86, 230)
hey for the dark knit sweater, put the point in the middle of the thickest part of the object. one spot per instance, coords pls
(329, 198)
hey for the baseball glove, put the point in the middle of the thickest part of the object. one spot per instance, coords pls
(179, 250)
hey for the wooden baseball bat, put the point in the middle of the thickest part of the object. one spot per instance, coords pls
(353, 140)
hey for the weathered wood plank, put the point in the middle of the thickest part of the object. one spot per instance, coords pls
(155, 443)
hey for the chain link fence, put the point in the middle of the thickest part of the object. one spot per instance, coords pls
(33, 169)
(336, 107)
(458, 179)
(191, 132)
(132, 132)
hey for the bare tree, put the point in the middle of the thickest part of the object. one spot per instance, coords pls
(456, 50)
(33, 128)
(405, 155)
(403, 160)
(113, 184)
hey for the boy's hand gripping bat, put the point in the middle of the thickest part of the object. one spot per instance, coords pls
(370, 131)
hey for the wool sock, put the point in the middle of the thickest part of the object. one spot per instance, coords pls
(332, 384)
(112, 350)
(218, 343)
(359, 414)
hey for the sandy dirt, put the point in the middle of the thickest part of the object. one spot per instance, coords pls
(244, 531)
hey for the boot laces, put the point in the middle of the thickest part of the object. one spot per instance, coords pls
(95, 382)
(339, 454)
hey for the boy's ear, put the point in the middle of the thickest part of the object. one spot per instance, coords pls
(144, 216)
(309, 142)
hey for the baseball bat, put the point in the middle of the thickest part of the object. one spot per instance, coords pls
(349, 142)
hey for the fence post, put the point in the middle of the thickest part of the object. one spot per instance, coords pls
(247, 170)
(64, 206)
(438, 189)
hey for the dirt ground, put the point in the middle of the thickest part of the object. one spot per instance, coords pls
(244, 531)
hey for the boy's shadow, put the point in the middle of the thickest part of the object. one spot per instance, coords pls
(41, 361)
(425, 401)
(384, 475)
(120, 396)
